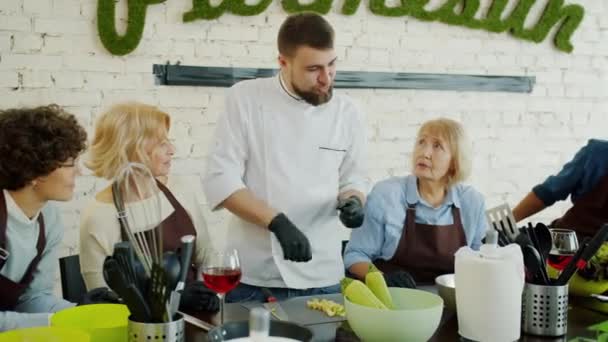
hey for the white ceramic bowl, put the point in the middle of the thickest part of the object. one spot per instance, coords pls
(446, 288)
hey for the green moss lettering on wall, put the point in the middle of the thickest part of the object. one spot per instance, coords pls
(447, 13)
(452, 12)
(350, 7)
(202, 9)
(555, 12)
(106, 25)
(318, 6)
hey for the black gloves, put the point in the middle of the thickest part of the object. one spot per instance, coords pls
(197, 297)
(294, 243)
(399, 279)
(351, 212)
(99, 295)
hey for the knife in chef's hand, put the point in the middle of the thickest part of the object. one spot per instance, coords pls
(273, 306)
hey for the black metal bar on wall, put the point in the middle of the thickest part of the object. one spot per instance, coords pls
(183, 75)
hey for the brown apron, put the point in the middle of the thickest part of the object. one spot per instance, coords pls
(10, 290)
(589, 212)
(426, 251)
(174, 227)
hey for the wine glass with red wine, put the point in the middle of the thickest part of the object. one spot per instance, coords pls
(221, 273)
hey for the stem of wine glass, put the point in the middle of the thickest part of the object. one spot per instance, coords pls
(221, 295)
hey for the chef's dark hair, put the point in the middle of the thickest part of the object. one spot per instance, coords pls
(36, 141)
(305, 29)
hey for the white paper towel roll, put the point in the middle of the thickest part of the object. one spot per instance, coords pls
(489, 286)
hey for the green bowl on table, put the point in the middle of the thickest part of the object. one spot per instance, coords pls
(103, 322)
(45, 334)
(416, 317)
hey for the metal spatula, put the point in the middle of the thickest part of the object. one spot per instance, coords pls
(501, 218)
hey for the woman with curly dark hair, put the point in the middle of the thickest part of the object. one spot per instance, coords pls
(39, 148)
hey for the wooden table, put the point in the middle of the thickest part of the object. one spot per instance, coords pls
(578, 320)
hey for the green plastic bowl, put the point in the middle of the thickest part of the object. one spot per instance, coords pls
(416, 318)
(103, 322)
(45, 334)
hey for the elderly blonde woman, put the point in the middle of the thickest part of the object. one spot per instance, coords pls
(134, 132)
(414, 224)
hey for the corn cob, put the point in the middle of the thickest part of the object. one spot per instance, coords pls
(376, 283)
(358, 293)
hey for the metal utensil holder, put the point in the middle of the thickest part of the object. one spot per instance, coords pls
(165, 332)
(545, 310)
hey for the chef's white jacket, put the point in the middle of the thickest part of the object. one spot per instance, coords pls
(297, 158)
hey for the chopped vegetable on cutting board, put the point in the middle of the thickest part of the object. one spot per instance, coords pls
(329, 307)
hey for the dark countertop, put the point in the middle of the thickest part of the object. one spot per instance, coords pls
(331, 329)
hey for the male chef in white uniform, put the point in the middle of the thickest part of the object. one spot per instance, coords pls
(288, 162)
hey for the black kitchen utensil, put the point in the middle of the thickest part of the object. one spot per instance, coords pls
(587, 252)
(137, 304)
(112, 274)
(502, 239)
(158, 294)
(140, 274)
(572, 265)
(185, 258)
(125, 257)
(544, 239)
(130, 294)
(522, 230)
(523, 240)
(534, 265)
(234, 330)
(171, 264)
(532, 234)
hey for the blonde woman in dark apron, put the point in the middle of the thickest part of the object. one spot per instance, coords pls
(414, 224)
(135, 132)
(38, 148)
(585, 180)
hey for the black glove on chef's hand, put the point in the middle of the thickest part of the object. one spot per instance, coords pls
(351, 212)
(99, 295)
(399, 279)
(197, 297)
(294, 243)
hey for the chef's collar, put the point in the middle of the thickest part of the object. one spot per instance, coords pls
(286, 90)
(413, 196)
(16, 212)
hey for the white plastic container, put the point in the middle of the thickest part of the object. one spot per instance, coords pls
(489, 286)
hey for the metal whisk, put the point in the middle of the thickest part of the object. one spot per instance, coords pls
(138, 201)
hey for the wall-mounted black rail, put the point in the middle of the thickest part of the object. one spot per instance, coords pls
(184, 75)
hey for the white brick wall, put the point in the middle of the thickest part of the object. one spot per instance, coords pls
(49, 52)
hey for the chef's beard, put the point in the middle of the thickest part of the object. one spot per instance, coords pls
(312, 97)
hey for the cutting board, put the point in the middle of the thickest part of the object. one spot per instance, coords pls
(298, 312)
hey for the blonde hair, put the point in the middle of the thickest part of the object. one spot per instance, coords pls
(460, 147)
(121, 136)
